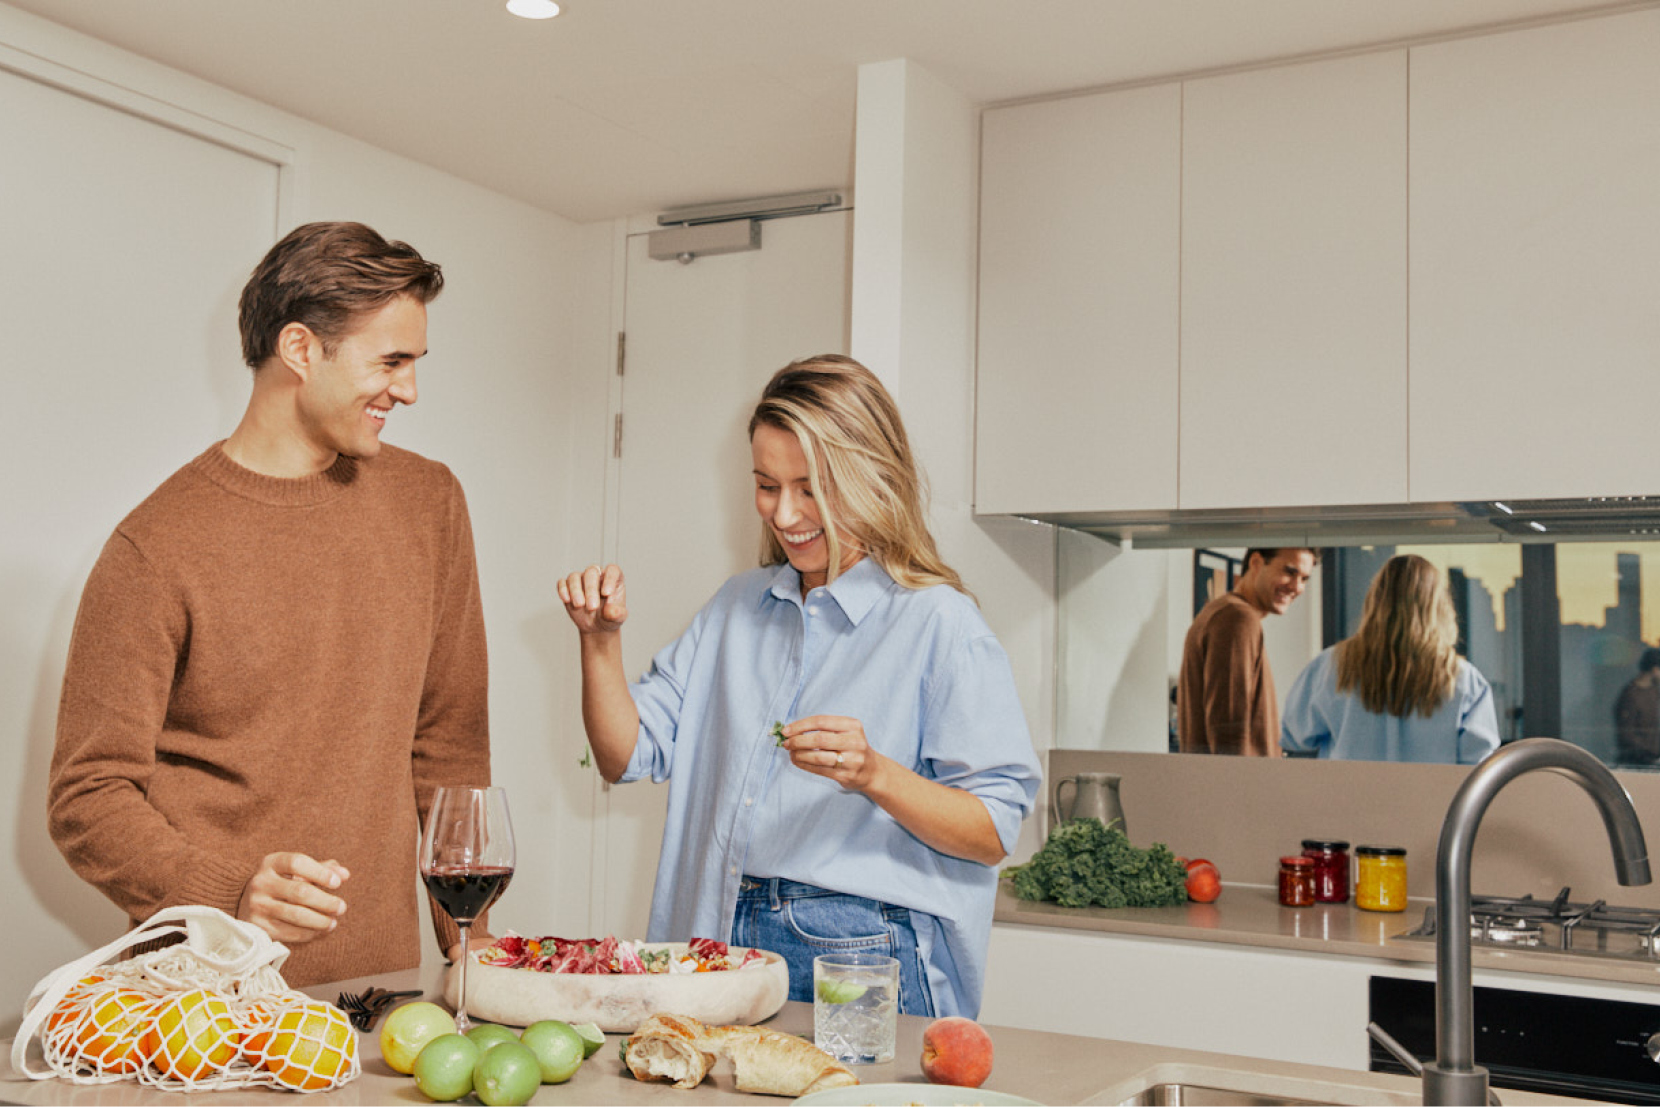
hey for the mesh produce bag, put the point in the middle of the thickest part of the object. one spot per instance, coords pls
(210, 1013)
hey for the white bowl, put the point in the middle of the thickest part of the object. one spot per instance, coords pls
(620, 1002)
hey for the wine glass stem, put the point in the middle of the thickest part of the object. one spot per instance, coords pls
(462, 1022)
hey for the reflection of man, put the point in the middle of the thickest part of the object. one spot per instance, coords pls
(1637, 713)
(279, 654)
(1226, 701)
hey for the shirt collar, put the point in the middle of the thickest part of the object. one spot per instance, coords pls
(855, 591)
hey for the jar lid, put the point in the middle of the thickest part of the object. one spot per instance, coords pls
(1321, 843)
(1298, 862)
(1381, 851)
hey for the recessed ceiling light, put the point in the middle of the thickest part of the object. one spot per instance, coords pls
(533, 9)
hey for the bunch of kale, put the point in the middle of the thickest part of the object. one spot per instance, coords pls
(1085, 863)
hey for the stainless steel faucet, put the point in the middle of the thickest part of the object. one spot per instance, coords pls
(1454, 1077)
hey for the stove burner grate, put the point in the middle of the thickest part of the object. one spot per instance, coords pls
(1558, 925)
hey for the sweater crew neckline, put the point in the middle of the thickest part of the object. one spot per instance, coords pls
(307, 491)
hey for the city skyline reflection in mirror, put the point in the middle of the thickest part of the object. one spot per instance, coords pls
(1558, 629)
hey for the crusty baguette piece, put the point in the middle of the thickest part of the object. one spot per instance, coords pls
(768, 1062)
(783, 1064)
(666, 1047)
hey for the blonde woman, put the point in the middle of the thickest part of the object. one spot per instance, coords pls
(1396, 690)
(904, 767)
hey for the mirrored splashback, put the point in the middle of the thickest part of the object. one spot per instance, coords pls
(1558, 629)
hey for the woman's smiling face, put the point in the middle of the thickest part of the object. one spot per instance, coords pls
(784, 500)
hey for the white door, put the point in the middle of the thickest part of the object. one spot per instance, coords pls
(703, 338)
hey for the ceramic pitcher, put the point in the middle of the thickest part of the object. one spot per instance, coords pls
(1093, 795)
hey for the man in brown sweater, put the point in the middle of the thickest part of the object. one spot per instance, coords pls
(1225, 700)
(280, 654)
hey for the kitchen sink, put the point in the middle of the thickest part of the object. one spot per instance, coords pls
(1201, 1095)
(1174, 1083)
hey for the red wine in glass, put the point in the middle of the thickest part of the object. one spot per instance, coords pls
(466, 862)
(466, 893)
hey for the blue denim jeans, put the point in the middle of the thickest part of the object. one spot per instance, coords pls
(799, 921)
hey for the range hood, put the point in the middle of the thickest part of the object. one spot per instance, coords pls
(1602, 518)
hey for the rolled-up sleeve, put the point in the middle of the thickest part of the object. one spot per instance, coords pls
(975, 737)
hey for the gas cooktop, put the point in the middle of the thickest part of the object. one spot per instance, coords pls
(1557, 925)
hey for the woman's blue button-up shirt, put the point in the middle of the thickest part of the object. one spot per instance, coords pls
(930, 684)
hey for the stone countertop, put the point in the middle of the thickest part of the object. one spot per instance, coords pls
(1251, 915)
(1049, 1068)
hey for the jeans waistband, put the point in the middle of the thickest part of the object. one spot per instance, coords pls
(776, 887)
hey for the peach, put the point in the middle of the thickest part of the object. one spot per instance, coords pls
(957, 1051)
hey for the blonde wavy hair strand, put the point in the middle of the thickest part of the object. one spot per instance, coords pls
(859, 466)
(1404, 656)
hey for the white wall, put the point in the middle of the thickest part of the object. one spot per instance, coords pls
(912, 322)
(512, 398)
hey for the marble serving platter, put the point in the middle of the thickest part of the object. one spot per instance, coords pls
(620, 1002)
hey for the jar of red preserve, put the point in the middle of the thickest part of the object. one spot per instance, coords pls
(1331, 869)
(1296, 882)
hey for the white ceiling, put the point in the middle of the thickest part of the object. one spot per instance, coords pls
(620, 107)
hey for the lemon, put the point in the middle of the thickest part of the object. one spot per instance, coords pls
(507, 1075)
(558, 1047)
(444, 1070)
(487, 1036)
(409, 1028)
(839, 991)
(592, 1037)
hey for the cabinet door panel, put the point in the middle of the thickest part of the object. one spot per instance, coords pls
(1076, 394)
(1293, 358)
(1536, 261)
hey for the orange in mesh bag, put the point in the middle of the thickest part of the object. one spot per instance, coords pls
(108, 1038)
(309, 1046)
(192, 1035)
(209, 1013)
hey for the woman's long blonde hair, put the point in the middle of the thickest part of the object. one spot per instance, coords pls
(859, 466)
(1404, 657)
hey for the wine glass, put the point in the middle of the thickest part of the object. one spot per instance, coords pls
(466, 861)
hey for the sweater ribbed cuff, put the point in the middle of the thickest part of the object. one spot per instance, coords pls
(214, 882)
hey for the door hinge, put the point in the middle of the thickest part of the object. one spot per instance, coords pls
(622, 351)
(616, 437)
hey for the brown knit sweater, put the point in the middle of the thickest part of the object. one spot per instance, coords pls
(1225, 701)
(261, 664)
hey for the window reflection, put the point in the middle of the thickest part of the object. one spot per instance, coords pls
(1558, 630)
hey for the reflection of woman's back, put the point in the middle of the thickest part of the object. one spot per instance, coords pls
(1397, 690)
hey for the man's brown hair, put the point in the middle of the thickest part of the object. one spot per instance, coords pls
(324, 275)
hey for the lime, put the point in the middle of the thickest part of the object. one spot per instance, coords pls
(487, 1035)
(592, 1037)
(507, 1075)
(444, 1070)
(409, 1028)
(558, 1047)
(839, 991)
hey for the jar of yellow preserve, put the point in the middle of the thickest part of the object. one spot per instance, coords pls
(1380, 878)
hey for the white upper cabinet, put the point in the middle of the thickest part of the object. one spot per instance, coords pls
(1293, 354)
(1079, 248)
(1535, 268)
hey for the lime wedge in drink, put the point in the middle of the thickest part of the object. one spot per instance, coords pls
(839, 991)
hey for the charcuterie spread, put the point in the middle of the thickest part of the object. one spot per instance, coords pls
(615, 955)
(619, 983)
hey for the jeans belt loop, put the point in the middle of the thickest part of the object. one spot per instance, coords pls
(774, 901)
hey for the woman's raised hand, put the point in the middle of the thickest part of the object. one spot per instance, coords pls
(594, 599)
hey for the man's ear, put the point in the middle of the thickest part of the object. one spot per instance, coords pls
(298, 348)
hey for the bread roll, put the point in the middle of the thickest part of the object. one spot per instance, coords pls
(682, 1049)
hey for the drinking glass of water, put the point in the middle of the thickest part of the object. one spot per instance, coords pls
(855, 1006)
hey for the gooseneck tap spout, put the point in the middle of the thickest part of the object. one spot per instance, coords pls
(1454, 1077)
